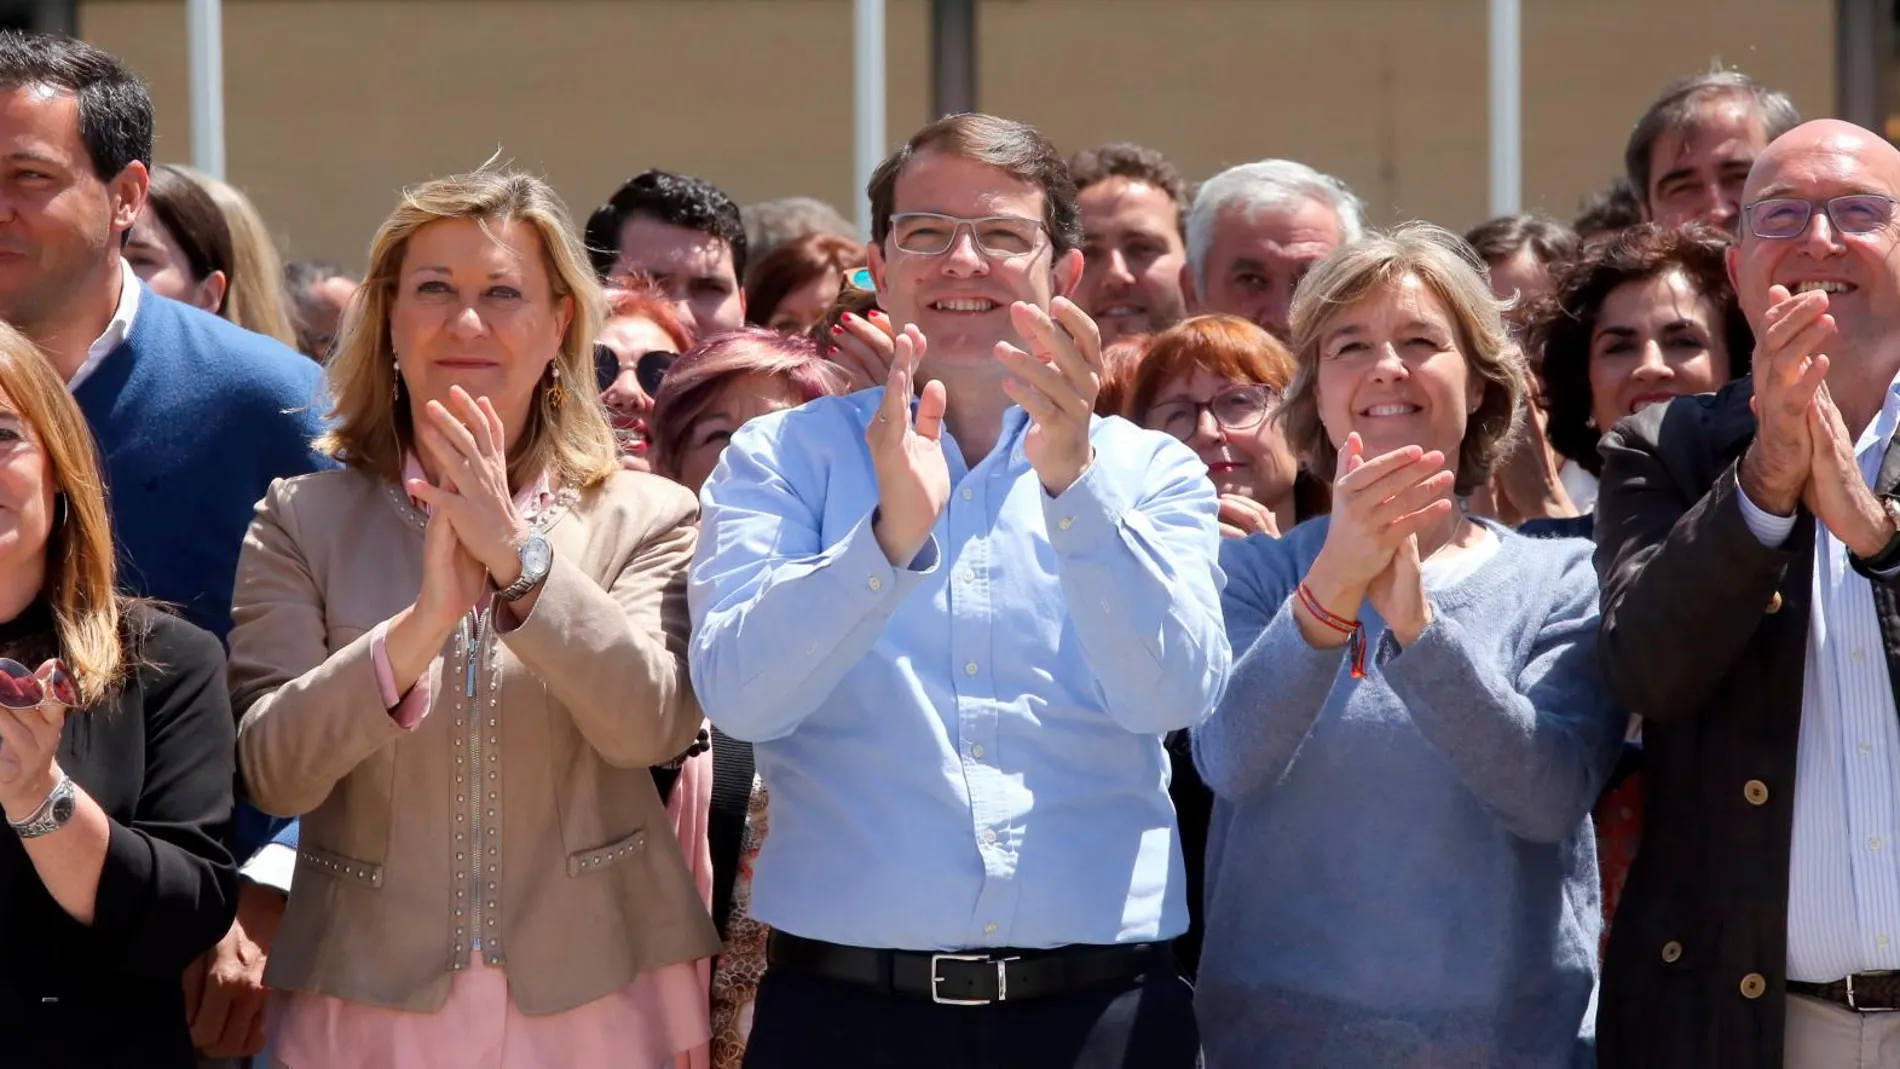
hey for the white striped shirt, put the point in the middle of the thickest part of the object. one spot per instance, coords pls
(1844, 870)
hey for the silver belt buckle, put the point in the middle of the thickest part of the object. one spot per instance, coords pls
(1850, 994)
(1002, 979)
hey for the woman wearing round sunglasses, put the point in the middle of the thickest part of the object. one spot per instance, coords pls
(116, 763)
(1213, 382)
(639, 340)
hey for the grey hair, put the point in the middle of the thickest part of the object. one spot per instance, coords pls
(1252, 187)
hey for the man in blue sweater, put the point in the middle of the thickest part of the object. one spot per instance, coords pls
(194, 416)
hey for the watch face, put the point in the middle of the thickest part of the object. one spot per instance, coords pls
(63, 809)
(536, 556)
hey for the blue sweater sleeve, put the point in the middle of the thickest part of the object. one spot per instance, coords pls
(1279, 683)
(1535, 742)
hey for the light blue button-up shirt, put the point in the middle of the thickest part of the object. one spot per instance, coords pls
(1844, 860)
(966, 752)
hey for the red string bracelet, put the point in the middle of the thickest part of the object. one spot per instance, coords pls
(1354, 631)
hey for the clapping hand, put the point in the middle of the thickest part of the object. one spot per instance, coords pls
(1788, 369)
(465, 441)
(913, 476)
(1056, 383)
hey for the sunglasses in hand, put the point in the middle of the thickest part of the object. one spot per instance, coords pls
(23, 688)
(650, 370)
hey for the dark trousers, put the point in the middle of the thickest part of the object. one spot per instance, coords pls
(806, 1021)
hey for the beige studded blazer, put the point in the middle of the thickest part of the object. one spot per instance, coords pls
(519, 815)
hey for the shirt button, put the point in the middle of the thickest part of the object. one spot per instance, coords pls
(1753, 985)
(1774, 603)
(1859, 656)
(989, 835)
(967, 575)
(969, 669)
(1755, 791)
(1865, 748)
(976, 751)
(969, 494)
(1671, 952)
(1875, 843)
(1066, 522)
(990, 928)
(1881, 941)
(875, 583)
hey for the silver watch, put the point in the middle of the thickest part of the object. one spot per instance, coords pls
(52, 814)
(536, 558)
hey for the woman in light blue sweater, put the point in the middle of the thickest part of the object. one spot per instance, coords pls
(1401, 870)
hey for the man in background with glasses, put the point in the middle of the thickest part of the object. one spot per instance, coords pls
(1751, 560)
(956, 623)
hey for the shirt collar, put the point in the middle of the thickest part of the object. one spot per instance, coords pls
(117, 329)
(1880, 431)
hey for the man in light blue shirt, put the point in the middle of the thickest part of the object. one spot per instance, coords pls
(956, 623)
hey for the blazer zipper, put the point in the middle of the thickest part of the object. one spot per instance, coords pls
(474, 630)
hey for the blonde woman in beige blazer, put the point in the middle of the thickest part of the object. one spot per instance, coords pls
(456, 659)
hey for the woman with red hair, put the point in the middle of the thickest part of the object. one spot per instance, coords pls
(639, 341)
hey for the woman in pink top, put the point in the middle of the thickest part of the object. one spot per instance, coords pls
(457, 657)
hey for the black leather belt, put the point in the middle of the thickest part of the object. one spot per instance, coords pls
(1867, 992)
(974, 979)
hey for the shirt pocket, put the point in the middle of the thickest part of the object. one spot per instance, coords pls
(597, 859)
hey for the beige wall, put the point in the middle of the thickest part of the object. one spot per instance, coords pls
(333, 105)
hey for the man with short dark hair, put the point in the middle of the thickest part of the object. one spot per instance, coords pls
(1689, 154)
(685, 235)
(1133, 204)
(194, 417)
(955, 623)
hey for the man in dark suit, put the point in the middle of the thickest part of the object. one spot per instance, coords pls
(1750, 557)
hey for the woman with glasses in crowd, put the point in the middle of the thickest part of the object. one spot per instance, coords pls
(115, 763)
(639, 340)
(457, 659)
(706, 397)
(1414, 730)
(1213, 382)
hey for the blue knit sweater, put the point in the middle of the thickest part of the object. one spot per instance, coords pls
(1401, 869)
(194, 418)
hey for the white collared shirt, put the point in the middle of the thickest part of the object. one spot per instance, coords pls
(1844, 865)
(116, 331)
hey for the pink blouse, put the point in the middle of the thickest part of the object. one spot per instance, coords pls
(659, 1021)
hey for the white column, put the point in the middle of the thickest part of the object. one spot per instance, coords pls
(206, 33)
(867, 66)
(1507, 111)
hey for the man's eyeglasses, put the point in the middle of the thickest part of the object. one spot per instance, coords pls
(997, 236)
(1237, 409)
(1781, 218)
(650, 370)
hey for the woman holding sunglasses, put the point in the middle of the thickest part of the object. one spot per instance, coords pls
(1213, 381)
(115, 763)
(639, 340)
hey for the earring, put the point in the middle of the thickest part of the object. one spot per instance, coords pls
(395, 381)
(59, 510)
(557, 394)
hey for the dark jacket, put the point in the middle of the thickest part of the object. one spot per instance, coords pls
(1704, 633)
(159, 758)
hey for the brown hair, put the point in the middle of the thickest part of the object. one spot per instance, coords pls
(1453, 273)
(1125, 159)
(254, 290)
(1121, 362)
(88, 612)
(1014, 147)
(1233, 348)
(193, 220)
(699, 377)
(1679, 108)
(793, 265)
(571, 441)
(1563, 324)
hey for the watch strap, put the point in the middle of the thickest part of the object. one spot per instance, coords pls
(45, 819)
(1882, 564)
(518, 589)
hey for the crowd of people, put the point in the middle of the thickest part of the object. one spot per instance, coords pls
(1101, 621)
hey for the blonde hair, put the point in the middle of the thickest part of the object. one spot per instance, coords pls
(254, 293)
(79, 586)
(568, 439)
(1445, 265)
